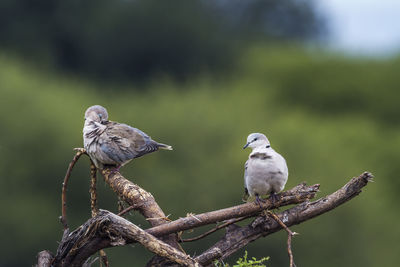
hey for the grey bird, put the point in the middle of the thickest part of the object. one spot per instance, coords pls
(265, 172)
(113, 143)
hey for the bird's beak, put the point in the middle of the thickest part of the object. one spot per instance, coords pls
(246, 145)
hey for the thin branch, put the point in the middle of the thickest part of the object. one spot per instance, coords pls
(209, 232)
(289, 240)
(107, 230)
(239, 237)
(128, 209)
(63, 218)
(296, 195)
(92, 190)
(93, 205)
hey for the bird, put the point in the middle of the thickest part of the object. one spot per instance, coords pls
(265, 171)
(112, 143)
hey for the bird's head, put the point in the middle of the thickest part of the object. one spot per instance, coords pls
(256, 140)
(96, 113)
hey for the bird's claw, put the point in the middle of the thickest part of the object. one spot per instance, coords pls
(274, 197)
(115, 170)
(259, 200)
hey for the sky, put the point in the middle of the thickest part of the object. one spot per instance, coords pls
(365, 27)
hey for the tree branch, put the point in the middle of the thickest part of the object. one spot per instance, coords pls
(63, 218)
(238, 237)
(144, 202)
(93, 204)
(92, 189)
(218, 227)
(289, 240)
(296, 195)
(87, 239)
(107, 230)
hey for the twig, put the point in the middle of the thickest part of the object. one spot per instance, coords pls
(128, 209)
(289, 240)
(120, 204)
(92, 190)
(103, 257)
(225, 224)
(93, 205)
(63, 218)
(157, 218)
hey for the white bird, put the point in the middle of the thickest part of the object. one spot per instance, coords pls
(265, 172)
(113, 143)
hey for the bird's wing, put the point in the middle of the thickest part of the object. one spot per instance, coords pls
(280, 163)
(126, 142)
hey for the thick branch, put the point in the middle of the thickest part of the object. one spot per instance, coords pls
(143, 201)
(136, 196)
(296, 195)
(107, 230)
(238, 237)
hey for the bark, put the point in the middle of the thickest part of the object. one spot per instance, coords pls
(238, 237)
(45, 258)
(295, 195)
(145, 203)
(107, 229)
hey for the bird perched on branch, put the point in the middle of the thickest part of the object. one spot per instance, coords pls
(265, 172)
(113, 143)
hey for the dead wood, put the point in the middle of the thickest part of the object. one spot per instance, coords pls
(106, 229)
(238, 237)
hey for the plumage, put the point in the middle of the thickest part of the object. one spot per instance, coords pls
(113, 143)
(265, 171)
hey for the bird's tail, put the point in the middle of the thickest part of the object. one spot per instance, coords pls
(164, 146)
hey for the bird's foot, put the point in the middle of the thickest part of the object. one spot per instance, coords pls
(259, 200)
(274, 197)
(116, 169)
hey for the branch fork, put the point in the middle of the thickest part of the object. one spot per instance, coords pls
(106, 229)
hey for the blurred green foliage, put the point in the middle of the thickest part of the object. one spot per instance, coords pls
(124, 40)
(330, 117)
(244, 262)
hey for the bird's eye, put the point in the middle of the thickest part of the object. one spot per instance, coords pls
(255, 139)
